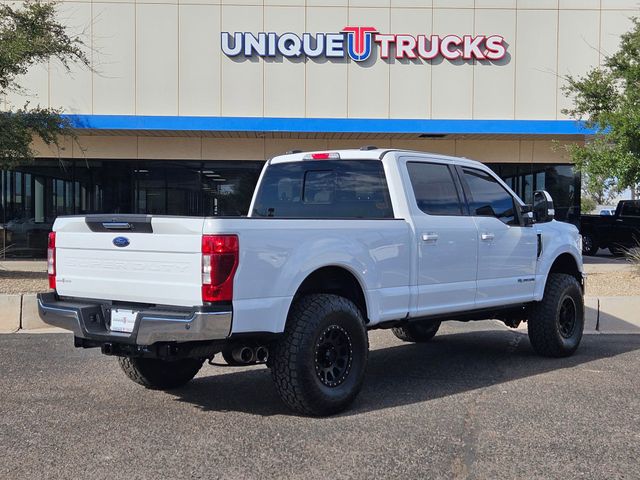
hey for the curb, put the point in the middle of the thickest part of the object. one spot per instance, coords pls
(20, 312)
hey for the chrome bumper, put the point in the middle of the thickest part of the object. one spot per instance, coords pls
(87, 319)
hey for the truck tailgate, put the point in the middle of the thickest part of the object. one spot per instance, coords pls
(160, 263)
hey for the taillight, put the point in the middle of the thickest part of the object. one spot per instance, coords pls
(51, 260)
(219, 263)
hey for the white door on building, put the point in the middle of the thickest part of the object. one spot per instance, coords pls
(506, 248)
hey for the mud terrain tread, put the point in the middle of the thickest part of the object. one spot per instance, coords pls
(303, 321)
(407, 333)
(159, 375)
(542, 325)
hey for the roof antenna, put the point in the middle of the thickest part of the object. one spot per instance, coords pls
(368, 147)
(291, 152)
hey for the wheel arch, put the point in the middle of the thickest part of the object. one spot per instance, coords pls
(337, 280)
(568, 264)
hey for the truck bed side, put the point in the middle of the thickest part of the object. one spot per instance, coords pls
(276, 255)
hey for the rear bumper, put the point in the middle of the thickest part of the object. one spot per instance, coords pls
(89, 320)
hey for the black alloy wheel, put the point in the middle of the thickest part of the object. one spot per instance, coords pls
(567, 317)
(318, 364)
(333, 356)
(556, 323)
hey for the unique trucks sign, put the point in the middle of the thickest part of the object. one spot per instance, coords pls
(358, 43)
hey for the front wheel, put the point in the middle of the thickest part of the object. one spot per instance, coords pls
(159, 374)
(556, 323)
(417, 332)
(590, 246)
(318, 365)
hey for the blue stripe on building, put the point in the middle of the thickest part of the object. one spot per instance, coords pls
(330, 125)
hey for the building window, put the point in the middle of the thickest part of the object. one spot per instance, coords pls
(32, 196)
(561, 181)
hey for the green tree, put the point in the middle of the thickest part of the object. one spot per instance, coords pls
(30, 35)
(600, 190)
(587, 205)
(608, 99)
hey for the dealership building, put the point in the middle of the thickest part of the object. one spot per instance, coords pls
(186, 99)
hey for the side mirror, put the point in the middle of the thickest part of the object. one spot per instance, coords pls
(543, 210)
(527, 215)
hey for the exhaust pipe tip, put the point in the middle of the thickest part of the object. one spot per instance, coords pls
(262, 354)
(244, 355)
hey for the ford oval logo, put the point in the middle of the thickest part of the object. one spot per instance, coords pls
(121, 241)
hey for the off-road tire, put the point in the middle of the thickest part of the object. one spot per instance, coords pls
(159, 374)
(548, 334)
(590, 245)
(417, 332)
(299, 377)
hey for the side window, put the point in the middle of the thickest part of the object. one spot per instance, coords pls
(489, 198)
(630, 209)
(434, 188)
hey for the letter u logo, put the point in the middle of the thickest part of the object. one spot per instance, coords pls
(359, 41)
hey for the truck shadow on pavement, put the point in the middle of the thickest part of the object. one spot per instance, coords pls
(406, 374)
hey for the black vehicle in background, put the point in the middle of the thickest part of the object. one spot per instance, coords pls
(616, 232)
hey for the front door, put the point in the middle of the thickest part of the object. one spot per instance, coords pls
(447, 240)
(507, 251)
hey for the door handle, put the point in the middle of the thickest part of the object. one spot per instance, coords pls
(487, 237)
(430, 237)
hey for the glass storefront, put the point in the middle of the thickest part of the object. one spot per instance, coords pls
(34, 195)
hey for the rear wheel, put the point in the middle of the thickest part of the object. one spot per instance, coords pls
(556, 323)
(589, 245)
(159, 374)
(318, 365)
(417, 332)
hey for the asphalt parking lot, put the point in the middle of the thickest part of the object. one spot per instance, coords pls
(474, 403)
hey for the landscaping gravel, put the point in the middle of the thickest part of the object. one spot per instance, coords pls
(23, 277)
(613, 284)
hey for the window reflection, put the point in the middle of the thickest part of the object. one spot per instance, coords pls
(33, 195)
(561, 181)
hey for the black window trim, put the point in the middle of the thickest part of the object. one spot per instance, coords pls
(468, 197)
(464, 207)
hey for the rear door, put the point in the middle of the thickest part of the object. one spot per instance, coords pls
(446, 237)
(507, 250)
(130, 258)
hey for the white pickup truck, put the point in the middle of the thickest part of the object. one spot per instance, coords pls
(335, 244)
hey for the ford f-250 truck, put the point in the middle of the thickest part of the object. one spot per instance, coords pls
(335, 244)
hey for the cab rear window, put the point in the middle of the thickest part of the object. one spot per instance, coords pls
(324, 189)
